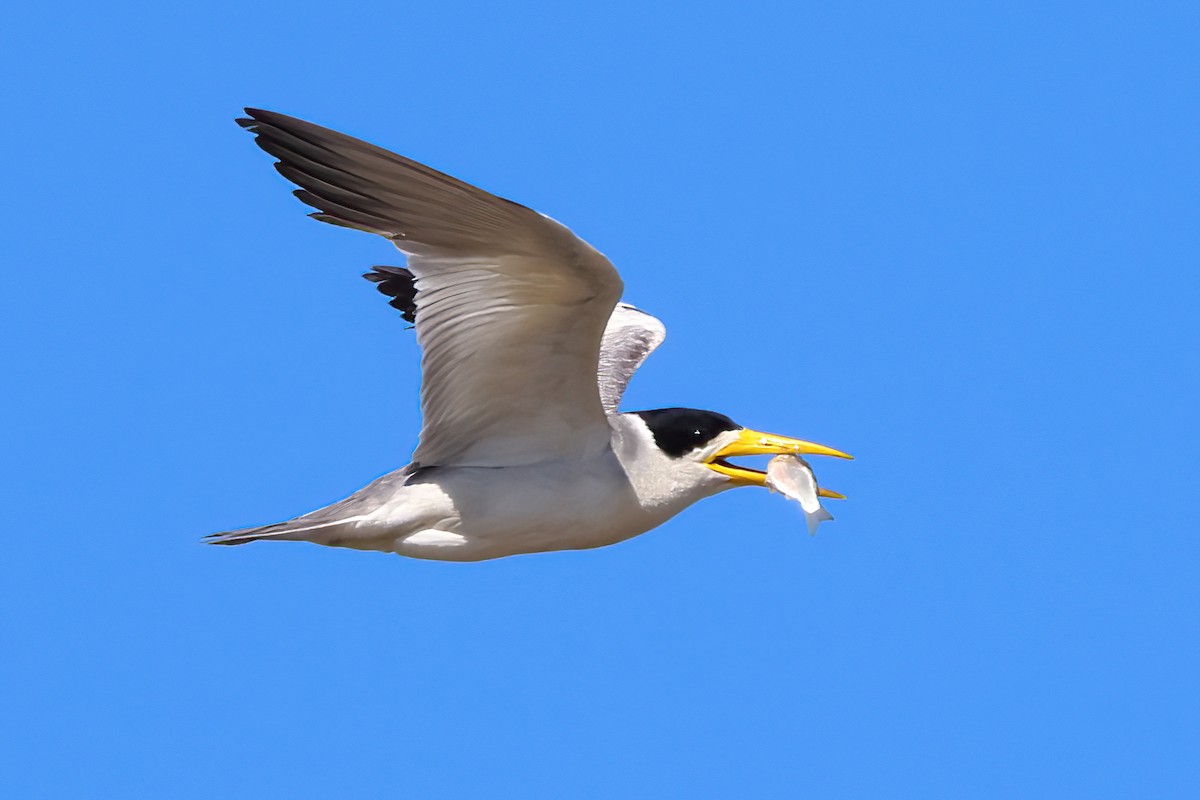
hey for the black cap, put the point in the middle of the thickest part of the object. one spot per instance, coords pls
(681, 430)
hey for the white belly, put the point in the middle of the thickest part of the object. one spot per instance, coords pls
(475, 513)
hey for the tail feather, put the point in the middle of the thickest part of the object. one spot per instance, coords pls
(336, 524)
(294, 530)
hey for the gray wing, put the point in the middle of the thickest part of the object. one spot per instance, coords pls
(510, 305)
(630, 336)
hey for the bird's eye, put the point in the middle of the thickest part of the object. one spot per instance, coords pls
(697, 433)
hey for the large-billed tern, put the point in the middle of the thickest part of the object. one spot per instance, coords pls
(526, 353)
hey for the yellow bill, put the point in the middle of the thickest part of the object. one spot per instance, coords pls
(756, 443)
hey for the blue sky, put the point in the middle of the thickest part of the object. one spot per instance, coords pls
(956, 240)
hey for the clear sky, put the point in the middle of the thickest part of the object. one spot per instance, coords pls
(958, 240)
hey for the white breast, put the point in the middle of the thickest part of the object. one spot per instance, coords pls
(474, 513)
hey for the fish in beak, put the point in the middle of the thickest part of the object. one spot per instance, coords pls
(756, 443)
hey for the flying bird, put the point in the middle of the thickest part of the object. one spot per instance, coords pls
(526, 351)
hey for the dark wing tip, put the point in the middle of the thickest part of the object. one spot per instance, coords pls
(358, 185)
(399, 284)
(254, 116)
(258, 113)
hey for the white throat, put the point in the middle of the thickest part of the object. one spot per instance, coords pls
(663, 483)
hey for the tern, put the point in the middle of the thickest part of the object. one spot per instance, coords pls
(526, 351)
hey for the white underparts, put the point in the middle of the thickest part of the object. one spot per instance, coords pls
(432, 537)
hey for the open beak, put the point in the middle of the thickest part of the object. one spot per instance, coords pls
(755, 443)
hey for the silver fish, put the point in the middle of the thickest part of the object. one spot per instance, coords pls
(792, 477)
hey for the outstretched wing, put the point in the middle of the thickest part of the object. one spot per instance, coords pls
(631, 335)
(510, 305)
